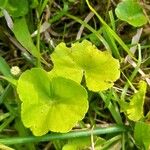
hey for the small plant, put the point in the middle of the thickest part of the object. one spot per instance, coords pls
(57, 95)
(74, 87)
(47, 98)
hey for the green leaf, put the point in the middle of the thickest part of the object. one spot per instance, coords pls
(4, 68)
(94, 39)
(4, 147)
(135, 108)
(50, 104)
(131, 12)
(3, 3)
(17, 8)
(141, 135)
(99, 68)
(33, 3)
(20, 29)
(83, 143)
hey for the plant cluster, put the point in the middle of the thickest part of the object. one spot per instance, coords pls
(63, 86)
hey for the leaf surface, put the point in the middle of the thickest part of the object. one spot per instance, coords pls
(141, 135)
(17, 8)
(50, 104)
(135, 108)
(21, 31)
(84, 59)
(131, 12)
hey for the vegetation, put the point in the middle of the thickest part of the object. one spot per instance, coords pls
(74, 75)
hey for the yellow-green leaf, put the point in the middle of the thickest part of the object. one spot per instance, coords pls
(100, 69)
(50, 104)
(135, 108)
(141, 135)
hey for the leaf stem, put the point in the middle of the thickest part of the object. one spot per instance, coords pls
(90, 29)
(58, 136)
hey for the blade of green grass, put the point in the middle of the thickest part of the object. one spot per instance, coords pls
(91, 29)
(110, 40)
(59, 136)
(6, 123)
(4, 67)
(6, 92)
(112, 20)
(20, 30)
(42, 5)
(118, 39)
(134, 73)
(112, 108)
(4, 116)
(109, 143)
(59, 14)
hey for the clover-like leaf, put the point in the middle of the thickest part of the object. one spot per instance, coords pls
(50, 104)
(141, 135)
(135, 108)
(131, 12)
(100, 68)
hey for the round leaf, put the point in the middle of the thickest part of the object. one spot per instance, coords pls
(131, 12)
(50, 104)
(100, 68)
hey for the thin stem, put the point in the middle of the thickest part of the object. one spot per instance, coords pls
(90, 29)
(109, 143)
(113, 109)
(58, 136)
(3, 96)
(42, 6)
(38, 42)
(123, 141)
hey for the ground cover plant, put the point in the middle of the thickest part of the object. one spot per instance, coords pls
(74, 75)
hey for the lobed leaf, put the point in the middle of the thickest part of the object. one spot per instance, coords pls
(135, 108)
(50, 104)
(131, 12)
(84, 59)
